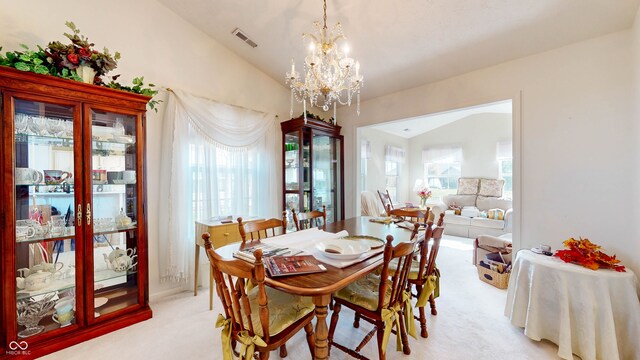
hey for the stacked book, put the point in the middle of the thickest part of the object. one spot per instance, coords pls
(496, 262)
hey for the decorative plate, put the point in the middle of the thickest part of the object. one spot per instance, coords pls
(99, 301)
(125, 139)
(123, 182)
(372, 241)
(537, 250)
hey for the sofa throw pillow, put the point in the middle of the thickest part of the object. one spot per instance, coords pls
(495, 214)
(491, 187)
(468, 186)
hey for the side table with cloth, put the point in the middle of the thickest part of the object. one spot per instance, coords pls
(593, 314)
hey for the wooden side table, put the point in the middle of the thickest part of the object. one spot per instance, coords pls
(223, 231)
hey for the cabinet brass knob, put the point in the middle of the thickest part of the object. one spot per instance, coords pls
(226, 234)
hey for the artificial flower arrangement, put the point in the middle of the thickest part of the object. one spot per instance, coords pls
(76, 61)
(424, 193)
(584, 252)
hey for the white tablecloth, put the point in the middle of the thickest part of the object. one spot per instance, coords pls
(593, 314)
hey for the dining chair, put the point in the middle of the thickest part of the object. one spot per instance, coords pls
(304, 220)
(414, 215)
(380, 300)
(424, 276)
(256, 230)
(386, 200)
(261, 319)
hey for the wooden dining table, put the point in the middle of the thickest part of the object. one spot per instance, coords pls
(320, 286)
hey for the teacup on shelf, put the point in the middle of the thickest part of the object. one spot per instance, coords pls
(28, 176)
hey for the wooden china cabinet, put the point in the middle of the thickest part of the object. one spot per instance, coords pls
(73, 216)
(313, 167)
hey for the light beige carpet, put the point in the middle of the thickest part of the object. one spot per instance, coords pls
(470, 325)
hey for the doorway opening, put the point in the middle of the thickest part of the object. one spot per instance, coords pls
(436, 151)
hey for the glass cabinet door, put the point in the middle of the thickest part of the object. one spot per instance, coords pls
(113, 212)
(48, 258)
(326, 168)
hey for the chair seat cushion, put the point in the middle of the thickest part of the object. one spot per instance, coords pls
(284, 310)
(364, 292)
(413, 273)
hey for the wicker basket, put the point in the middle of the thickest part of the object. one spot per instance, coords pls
(501, 281)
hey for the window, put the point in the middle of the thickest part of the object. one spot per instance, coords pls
(394, 156)
(442, 169)
(222, 181)
(504, 157)
(391, 183)
(365, 153)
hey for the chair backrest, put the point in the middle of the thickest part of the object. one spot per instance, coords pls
(403, 252)
(416, 216)
(304, 220)
(256, 230)
(435, 246)
(386, 200)
(231, 277)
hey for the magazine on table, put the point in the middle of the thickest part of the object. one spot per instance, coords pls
(246, 254)
(293, 265)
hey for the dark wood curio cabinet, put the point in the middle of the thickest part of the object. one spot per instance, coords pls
(313, 167)
(73, 216)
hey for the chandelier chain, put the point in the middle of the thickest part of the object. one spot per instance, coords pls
(325, 14)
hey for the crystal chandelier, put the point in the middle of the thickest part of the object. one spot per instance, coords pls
(330, 77)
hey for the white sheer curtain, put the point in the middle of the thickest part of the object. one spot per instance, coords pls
(503, 150)
(442, 155)
(217, 159)
(395, 154)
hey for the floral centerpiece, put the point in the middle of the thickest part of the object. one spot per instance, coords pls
(584, 252)
(81, 56)
(78, 61)
(424, 193)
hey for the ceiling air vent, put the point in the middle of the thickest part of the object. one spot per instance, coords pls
(242, 36)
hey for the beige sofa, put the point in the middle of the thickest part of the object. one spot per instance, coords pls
(478, 198)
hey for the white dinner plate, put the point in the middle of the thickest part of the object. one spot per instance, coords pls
(342, 249)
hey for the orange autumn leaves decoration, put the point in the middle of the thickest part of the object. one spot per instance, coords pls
(584, 252)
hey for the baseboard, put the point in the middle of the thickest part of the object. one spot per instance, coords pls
(153, 297)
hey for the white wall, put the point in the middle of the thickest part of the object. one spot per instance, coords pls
(376, 179)
(478, 136)
(636, 101)
(166, 50)
(575, 107)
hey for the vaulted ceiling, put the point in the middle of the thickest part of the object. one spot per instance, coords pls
(403, 44)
